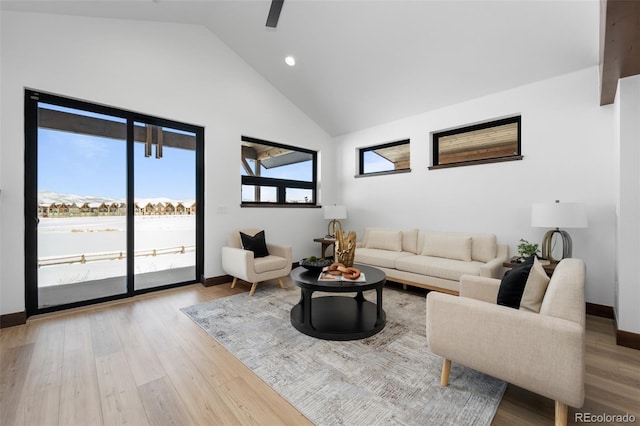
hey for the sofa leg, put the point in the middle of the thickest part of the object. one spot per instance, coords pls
(253, 289)
(281, 283)
(562, 411)
(235, 281)
(446, 369)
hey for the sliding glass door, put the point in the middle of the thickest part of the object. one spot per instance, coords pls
(165, 201)
(81, 213)
(113, 203)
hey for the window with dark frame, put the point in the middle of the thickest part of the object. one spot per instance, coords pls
(277, 174)
(490, 142)
(391, 157)
(97, 152)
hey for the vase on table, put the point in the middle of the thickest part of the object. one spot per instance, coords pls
(345, 248)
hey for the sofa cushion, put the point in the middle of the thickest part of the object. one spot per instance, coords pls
(535, 288)
(447, 246)
(512, 284)
(524, 286)
(269, 263)
(377, 257)
(484, 247)
(564, 297)
(409, 238)
(438, 267)
(385, 240)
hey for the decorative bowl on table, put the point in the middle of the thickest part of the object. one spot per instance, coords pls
(315, 264)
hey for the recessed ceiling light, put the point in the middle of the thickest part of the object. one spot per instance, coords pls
(290, 60)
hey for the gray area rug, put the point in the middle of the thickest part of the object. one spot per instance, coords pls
(389, 378)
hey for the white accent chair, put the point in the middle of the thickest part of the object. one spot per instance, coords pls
(541, 352)
(241, 264)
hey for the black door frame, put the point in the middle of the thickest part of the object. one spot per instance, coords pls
(31, 100)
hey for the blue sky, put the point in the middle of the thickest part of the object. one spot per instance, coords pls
(376, 163)
(72, 163)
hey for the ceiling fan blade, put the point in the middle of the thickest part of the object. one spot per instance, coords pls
(274, 13)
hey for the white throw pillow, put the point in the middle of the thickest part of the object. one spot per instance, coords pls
(448, 246)
(535, 288)
(385, 240)
(484, 247)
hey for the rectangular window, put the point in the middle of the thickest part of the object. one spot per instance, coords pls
(392, 157)
(277, 174)
(490, 142)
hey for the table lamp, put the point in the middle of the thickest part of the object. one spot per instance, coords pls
(333, 213)
(558, 215)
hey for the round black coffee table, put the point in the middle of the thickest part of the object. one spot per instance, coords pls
(338, 317)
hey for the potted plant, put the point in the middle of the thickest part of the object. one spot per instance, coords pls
(526, 249)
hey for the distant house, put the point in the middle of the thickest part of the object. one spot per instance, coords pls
(192, 208)
(43, 210)
(113, 208)
(148, 209)
(158, 208)
(55, 209)
(99, 209)
(74, 210)
(85, 209)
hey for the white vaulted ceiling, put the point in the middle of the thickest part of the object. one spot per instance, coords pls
(361, 63)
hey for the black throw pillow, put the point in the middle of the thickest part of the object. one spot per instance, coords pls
(513, 283)
(256, 244)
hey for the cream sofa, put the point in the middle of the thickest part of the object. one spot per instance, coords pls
(432, 260)
(542, 352)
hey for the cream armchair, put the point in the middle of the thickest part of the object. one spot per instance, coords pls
(543, 352)
(241, 264)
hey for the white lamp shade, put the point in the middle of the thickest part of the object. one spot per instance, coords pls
(335, 212)
(559, 215)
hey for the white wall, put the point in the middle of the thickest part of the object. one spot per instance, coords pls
(627, 295)
(568, 147)
(180, 72)
(185, 73)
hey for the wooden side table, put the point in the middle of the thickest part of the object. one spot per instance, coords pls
(511, 263)
(326, 242)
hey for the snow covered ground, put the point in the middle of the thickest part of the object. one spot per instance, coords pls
(76, 236)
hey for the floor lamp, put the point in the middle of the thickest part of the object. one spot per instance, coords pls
(558, 215)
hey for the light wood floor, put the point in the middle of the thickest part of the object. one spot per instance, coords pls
(142, 361)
